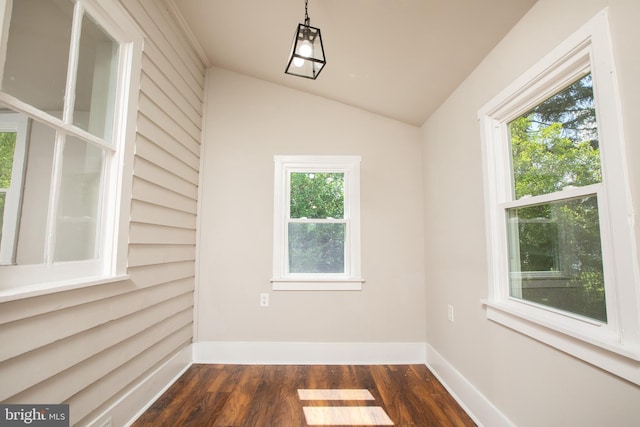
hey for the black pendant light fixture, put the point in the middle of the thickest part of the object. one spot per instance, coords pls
(307, 54)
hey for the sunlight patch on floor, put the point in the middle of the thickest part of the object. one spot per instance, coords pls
(342, 415)
(346, 416)
(335, 394)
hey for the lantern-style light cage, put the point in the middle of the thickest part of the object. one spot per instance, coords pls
(307, 53)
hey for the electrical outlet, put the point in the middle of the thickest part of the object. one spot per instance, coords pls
(450, 313)
(264, 300)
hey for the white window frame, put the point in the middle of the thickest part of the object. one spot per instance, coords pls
(22, 281)
(285, 165)
(615, 345)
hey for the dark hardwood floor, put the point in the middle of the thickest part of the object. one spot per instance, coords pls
(267, 396)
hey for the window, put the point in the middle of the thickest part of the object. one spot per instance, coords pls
(65, 88)
(317, 223)
(560, 246)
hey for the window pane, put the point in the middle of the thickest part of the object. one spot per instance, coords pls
(317, 195)
(316, 248)
(78, 218)
(555, 256)
(37, 55)
(3, 196)
(95, 89)
(555, 145)
(32, 233)
(7, 148)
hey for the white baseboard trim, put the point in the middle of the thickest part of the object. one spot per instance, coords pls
(308, 353)
(130, 406)
(476, 404)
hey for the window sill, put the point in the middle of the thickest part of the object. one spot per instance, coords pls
(316, 284)
(22, 292)
(603, 349)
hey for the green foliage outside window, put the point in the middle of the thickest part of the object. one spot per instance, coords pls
(556, 145)
(317, 195)
(7, 148)
(316, 247)
(559, 257)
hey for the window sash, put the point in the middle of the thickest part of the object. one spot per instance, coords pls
(345, 247)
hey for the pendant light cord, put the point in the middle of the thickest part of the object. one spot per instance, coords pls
(306, 14)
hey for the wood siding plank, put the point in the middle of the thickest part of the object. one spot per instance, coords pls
(150, 172)
(189, 138)
(182, 96)
(161, 235)
(157, 94)
(153, 153)
(151, 193)
(160, 254)
(157, 135)
(159, 215)
(158, 274)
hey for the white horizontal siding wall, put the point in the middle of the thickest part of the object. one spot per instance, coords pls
(90, 347)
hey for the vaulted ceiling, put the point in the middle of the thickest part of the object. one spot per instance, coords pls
(397, 58)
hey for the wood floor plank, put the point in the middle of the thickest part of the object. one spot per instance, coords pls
(267, 396)
(393, 394)
(287, 410)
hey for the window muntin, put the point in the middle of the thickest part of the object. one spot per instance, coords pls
(80, 55)
(316, 221)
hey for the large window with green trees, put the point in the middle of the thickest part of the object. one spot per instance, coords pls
(316, 222)
(560, 247)
(555, 253)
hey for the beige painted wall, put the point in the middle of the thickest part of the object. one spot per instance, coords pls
(532, 384)
(249, 121)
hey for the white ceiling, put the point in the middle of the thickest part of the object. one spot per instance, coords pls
(397, 58)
